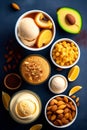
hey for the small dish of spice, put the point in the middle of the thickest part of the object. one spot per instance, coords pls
(12, 81)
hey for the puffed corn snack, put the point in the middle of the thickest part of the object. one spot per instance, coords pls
(65, 53)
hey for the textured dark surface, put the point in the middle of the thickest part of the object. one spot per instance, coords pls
(8, 18)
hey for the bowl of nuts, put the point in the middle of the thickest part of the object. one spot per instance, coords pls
(60, 111)
(65, 53)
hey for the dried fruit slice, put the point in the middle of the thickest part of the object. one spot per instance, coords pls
(36, 127)
(5, 99)
(44, 38)
(42, 21)
(73, 73)
(74, 90)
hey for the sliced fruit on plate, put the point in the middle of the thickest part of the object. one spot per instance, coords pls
(69, 19)
(74, 90)
(43, 21)
(44, 38)
(5, 99)
(36, 127)
(73, 73)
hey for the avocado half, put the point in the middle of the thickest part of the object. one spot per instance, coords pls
(69, 20)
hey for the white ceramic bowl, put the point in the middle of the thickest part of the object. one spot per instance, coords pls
(61, 87)
(52, 113)
(64, 66)
(29, 13)
(25, 95)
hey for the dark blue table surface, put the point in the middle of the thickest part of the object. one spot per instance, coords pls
(8, 18)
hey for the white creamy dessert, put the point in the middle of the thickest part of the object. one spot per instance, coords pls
(58, 84)
(28, 31)
(25, 106)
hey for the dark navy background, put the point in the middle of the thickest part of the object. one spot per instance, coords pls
(8, 18)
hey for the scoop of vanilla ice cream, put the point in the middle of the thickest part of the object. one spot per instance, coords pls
(58, 83)
(28, 31)
(25, 108)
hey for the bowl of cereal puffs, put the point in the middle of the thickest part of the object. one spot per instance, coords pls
(65, 53)
(61, 111)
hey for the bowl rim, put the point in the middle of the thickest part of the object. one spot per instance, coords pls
(30, 48)
(70, 123)
(66, 39)
(49, 83)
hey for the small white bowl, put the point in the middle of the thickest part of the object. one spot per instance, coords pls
(65, 66)
(57, 89)
(52, 113)
(29, 13)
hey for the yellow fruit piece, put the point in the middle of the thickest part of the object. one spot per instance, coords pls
(41, 22)
(5, 99)
(74, 90)
(44, 38)
(73, 73)
(36, 127)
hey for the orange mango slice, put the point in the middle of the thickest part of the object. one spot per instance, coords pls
(74, 90)
(73, 73)
(5, 100)
(44, 38)
(36, 127)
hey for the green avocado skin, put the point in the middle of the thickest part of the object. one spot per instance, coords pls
(68, 28)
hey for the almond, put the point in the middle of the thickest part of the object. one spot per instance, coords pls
(60, 103)
(70, 18)
(59, 111)
(54, 108)
(62, 106)
(53, 117)
(15, 6)
(77, 99)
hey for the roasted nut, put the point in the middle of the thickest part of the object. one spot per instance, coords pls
(53, 117)
(66, 110)
(62, 106)
(67, 115)
(15, 6)
(60, 103)
(59, 98)
(64, 121)
(53, 101)
(59, 111)
(59, 122)
(60, 116)
(77, 99)
(65, 99)
(54, 108)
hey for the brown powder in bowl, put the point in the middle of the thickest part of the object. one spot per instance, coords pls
(12, 81)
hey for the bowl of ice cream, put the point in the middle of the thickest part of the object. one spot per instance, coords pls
(25, 106)
(65, 53)
(61, 111)
(35, 30)
(35, 69)
(58, 84)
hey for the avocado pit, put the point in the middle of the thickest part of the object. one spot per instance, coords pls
(70, 19)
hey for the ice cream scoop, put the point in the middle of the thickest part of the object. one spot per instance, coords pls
(28, 31)
(58, 84)
(25, 108)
